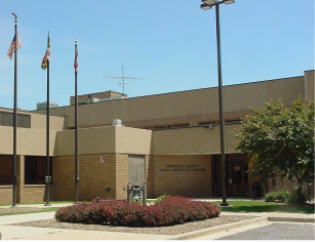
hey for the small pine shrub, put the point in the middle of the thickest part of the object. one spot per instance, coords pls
(168, 211)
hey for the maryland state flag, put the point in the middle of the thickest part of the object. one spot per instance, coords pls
(46, 58)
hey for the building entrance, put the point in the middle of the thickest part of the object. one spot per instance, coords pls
(236, 170)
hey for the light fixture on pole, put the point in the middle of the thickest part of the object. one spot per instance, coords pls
(205, 5)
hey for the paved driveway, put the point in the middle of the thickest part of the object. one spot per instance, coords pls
(277, 231)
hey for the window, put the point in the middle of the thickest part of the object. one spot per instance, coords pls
(234, 121)
(23, 120)
(159, 127)
(184, 125)
(6, 169)
(36, 169)
(207, 123)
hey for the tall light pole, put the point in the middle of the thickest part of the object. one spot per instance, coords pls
(205, 5)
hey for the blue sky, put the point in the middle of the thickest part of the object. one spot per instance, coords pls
(171, 44)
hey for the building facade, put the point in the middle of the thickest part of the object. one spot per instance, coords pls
(170, 141)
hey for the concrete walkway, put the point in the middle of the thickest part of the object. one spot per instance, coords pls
(57, 205)
(9, 231)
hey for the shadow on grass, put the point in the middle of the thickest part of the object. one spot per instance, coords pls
(268, 208)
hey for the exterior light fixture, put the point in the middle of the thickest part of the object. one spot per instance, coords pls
(207, 4)
(101, 159)
(229, 2)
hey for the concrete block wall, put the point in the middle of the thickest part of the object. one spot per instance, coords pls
(188, 175)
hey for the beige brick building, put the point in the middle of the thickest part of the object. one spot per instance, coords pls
(170, 141)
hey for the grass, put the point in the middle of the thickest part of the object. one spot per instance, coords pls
(258, 206)
(24, 212)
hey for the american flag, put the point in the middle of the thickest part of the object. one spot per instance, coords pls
(76, 65)
(46, 58)
(12, 46)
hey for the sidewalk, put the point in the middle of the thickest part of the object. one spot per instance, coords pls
(57, 205)
(9, 231)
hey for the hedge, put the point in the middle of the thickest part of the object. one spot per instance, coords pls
(169, 211)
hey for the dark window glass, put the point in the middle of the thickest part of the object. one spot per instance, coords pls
(23, 120)
(6, 169)
(36, 169)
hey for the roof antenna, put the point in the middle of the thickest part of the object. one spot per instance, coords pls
(123, 78)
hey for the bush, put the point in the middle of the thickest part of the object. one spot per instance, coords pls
(296, 198)
(168, 211)
(161, 197)
(279, 196)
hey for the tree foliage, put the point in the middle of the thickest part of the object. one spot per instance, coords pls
(280, 140)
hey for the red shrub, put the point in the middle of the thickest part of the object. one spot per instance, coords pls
(169, 211)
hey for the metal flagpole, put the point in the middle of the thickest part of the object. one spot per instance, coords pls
(217, 11)
(15, 113)
(47, 131)
(76, 178)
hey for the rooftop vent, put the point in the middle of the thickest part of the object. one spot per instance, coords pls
(43, 105)
(117, 122)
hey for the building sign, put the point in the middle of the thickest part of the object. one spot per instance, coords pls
(183, 168)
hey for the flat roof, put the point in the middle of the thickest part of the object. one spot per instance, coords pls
(190, 90)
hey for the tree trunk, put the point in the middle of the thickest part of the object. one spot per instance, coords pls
(299, 195)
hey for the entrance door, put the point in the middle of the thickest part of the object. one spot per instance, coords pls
(236, 175)
(237, 178)
(136, 169)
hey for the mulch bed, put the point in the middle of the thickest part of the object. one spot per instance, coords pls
(18, 210)
(166, 230)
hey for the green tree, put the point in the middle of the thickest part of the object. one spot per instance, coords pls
(279, 140)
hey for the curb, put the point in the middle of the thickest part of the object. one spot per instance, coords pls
(293, 219)
(220, 228)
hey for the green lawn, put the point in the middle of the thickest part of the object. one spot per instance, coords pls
(257, 206)
(40, 211)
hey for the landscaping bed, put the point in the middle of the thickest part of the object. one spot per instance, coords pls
(164, 230)
(169, 211)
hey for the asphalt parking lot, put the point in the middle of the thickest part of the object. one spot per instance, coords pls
(277, 231)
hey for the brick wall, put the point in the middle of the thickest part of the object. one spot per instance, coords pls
(28, 192)
(179, 175)
(6, 194)
(97, 176)
(121, 176)
(33, 193)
